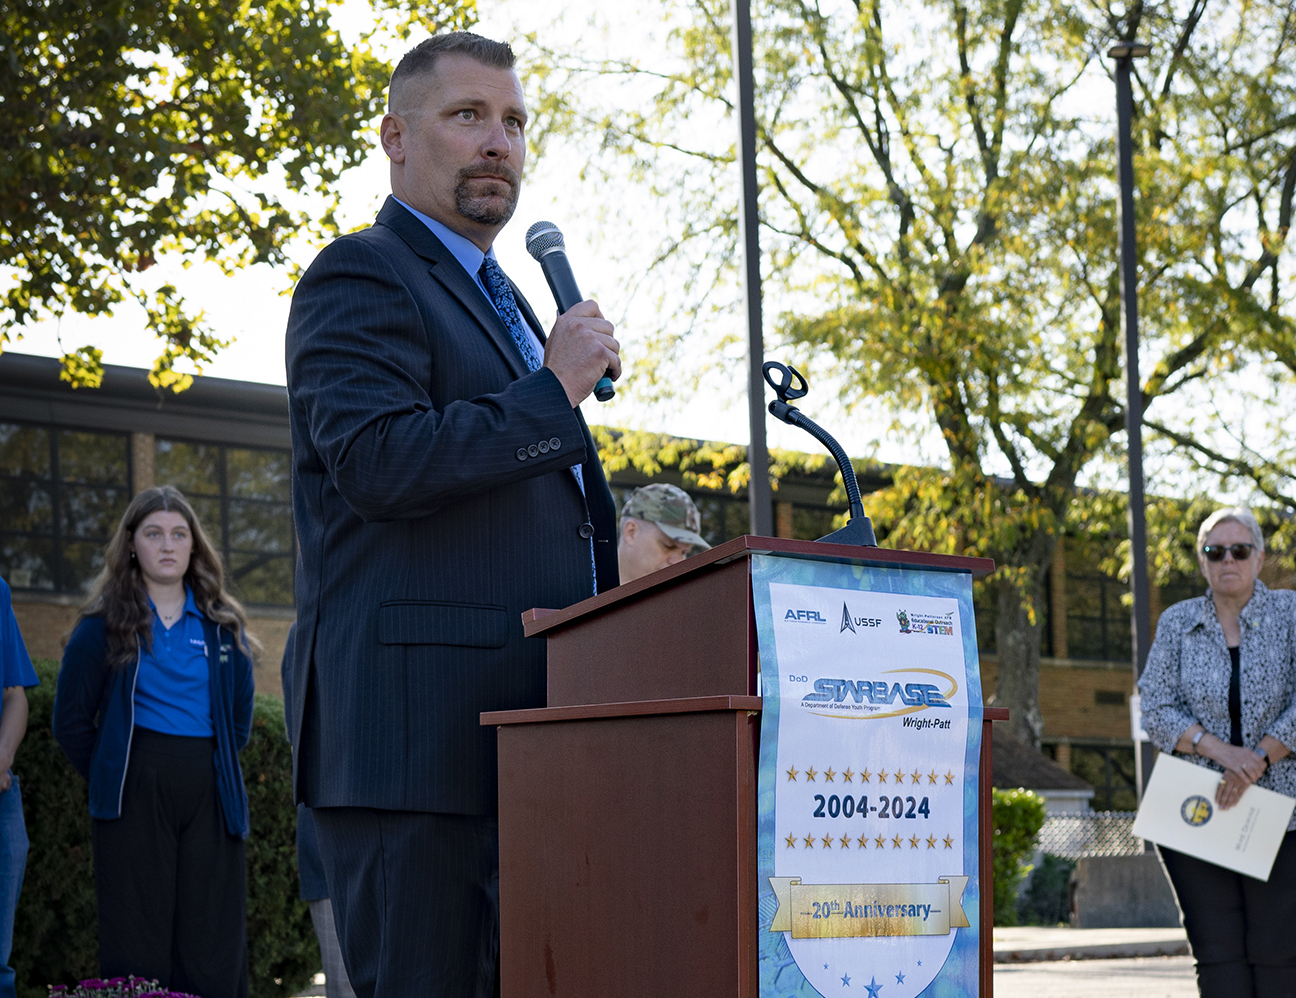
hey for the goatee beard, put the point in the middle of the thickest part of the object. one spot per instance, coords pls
(487, 209)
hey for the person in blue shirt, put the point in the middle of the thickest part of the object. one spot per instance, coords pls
(16, 674)
(153, 704)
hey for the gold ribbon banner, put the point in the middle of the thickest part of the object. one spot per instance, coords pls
(842, 911)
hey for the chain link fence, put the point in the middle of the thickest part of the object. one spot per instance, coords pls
(1089, 833)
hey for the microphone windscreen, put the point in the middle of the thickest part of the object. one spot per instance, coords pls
(543, 237)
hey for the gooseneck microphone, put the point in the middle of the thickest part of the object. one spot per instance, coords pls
(545, 243)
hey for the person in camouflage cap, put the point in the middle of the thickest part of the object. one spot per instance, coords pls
(659, 527)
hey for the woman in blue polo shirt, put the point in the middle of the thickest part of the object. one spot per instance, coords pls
(153, 704)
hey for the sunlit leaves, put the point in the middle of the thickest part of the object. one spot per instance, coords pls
(130, 130)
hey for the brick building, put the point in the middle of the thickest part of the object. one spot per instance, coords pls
(70, 459)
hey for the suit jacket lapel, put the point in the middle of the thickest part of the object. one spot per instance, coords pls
(528, 314)
(450, 275)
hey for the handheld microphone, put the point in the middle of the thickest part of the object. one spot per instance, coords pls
(545, 243)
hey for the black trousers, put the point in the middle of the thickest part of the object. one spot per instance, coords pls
(169, 878)
(415, 898)
(1242, 930)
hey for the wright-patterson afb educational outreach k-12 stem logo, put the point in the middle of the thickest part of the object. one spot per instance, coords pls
(925, 623)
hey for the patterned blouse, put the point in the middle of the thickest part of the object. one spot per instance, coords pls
(1187, 679)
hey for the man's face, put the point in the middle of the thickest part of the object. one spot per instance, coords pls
(645, 549)
(457, 145)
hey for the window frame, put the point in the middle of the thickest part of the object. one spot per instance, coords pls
(55, 484)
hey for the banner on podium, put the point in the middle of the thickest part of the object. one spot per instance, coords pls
(867, 814)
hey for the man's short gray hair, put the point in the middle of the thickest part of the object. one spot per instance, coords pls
(1238, 514)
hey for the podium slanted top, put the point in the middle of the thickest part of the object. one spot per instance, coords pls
(539, 620)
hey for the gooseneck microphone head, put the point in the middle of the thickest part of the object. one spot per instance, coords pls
(545, 242)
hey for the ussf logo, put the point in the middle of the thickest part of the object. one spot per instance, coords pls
(805, 617)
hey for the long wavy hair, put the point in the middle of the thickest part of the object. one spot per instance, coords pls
(120, 597)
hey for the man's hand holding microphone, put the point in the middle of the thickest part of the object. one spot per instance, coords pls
(580, 350)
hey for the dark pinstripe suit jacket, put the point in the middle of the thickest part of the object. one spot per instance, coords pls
(424, 526)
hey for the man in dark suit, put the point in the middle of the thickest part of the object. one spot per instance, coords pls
(444, 482)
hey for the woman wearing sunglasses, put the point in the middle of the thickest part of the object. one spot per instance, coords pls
(1220, 691)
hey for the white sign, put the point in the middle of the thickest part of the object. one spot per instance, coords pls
(1179, 811)
(869, 787)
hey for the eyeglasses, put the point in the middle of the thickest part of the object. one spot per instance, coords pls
(1216, 552)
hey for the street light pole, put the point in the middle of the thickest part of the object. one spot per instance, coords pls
(1125, 53)
(760, 498)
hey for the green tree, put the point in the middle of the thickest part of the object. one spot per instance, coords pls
(939, 225)
(206, 128)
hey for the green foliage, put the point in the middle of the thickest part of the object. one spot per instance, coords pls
(55, 925)
(55, 929)
(707, 464)
(1047, 898)
(1018, 817)
(938, 210)
(133, 130)
(283, 953)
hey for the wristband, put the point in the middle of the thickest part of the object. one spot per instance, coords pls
(1262, 754)
(1198, 737)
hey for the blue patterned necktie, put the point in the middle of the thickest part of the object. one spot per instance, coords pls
(501, 294)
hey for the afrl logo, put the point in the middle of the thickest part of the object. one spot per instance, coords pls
(849, 623)
(805, 616)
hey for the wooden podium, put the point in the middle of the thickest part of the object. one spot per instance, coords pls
(627, 806)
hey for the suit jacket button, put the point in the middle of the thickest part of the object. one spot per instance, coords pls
(586, 530)
(554, 443)
(533, 451)
(544, 446)
(521, 453)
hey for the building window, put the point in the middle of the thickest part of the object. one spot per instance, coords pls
(1098, 621)
(243, 498)
(62, 493)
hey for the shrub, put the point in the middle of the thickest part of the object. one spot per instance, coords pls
(1047, 898)
(1018, 817)
(55, 930)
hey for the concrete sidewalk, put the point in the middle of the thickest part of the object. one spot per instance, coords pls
(1033, 945)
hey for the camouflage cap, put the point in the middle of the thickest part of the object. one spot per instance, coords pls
(671, 509)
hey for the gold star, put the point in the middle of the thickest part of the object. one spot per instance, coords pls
(829, 774)
(896, 842)
(949, 778)
(916, 776)
(913, 842)
(827, 841)
(810, 774)
(791, 841)
(863, 841)
(847, 775)
(949, 842)
(931, 777)
(931, 841)
(882, 776)
(864, 776)
(809, 841)
(881, 841)
(845, 841)
(792, 774)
